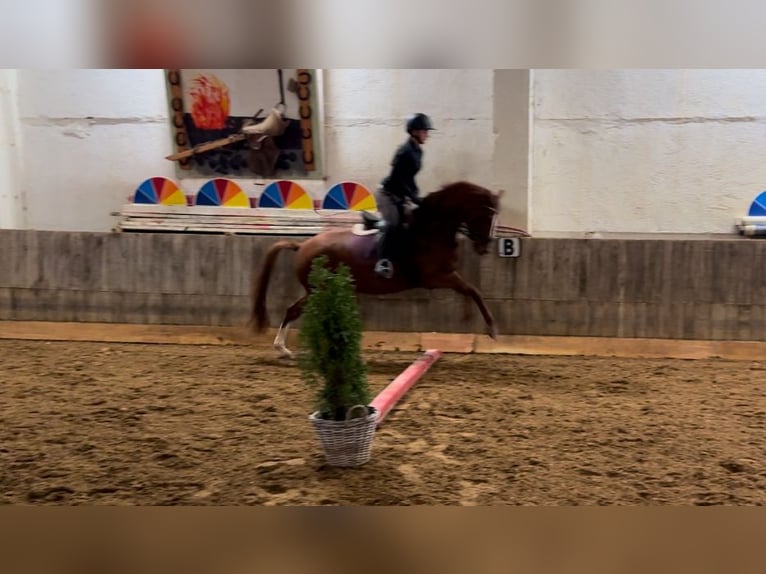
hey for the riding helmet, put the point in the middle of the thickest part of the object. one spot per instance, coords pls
(419, 122)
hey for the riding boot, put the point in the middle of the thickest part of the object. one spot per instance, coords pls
(384, 267)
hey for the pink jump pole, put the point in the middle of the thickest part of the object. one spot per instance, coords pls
(396, 389)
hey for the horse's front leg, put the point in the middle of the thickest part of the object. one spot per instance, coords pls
(455, 282)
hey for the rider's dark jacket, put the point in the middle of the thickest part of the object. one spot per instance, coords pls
(400, 183)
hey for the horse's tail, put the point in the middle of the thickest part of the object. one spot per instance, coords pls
(258, 316)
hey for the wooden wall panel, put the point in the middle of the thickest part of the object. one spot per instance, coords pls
(654, 288)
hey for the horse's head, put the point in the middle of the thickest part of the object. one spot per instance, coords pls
(479, 220)
(467, 208)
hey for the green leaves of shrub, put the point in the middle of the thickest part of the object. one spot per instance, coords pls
(331, 341)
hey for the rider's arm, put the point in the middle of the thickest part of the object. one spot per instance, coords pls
(404, 169)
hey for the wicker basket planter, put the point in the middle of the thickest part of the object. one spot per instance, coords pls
(331, 362)
(349, 442)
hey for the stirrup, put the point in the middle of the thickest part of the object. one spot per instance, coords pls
(384, 268)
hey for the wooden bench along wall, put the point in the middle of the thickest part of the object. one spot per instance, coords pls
(658, 288)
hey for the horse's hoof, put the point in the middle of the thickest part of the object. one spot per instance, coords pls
(493, 333)
(284, 352)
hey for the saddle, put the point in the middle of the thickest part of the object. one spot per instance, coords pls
(371, 221)
(371, 224)
(374, 227)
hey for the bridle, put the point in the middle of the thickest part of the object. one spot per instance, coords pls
(466, 230)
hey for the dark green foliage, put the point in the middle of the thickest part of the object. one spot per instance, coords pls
(331, 341)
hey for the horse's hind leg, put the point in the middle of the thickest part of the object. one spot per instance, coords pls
(293, 312)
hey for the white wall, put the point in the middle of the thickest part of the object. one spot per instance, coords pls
(619, 150)
(90, 137)
(366, 111)
(646, 150)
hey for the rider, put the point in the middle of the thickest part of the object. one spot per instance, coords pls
(399, 187)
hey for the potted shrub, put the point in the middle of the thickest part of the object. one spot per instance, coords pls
(330, 344)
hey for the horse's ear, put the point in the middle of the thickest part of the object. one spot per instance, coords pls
(500, 193)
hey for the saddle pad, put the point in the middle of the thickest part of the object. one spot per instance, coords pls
(358, 229)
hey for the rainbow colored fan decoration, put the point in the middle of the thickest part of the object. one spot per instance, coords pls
(758, 207)
(349, 195)
(222, 192)
(285, 194)
(159, 190)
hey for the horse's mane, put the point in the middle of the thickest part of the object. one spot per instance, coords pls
(463, 190)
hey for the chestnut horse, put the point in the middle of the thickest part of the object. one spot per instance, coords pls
(431, 262)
